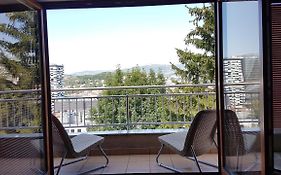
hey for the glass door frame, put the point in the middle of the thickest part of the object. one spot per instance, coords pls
(270, 5)
(46, 94)
(44, 71)
(266, 87)
(45, 82)
(265, 52)
(265, 28)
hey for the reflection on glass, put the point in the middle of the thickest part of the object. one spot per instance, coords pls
(20, 96)
(277, 148)
(242, 78)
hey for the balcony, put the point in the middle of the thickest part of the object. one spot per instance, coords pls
(131, 124)
(163, 108)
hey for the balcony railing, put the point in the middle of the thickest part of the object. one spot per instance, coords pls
(127, 108)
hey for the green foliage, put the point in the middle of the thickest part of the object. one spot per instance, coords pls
(198, 67)
(113, 109)
(19, 47)
(19, 62)
(73, 81)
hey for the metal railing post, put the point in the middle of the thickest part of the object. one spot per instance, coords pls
(127, 113)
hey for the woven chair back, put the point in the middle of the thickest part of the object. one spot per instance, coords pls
(233, 139)
(201, 132)
(61, 140)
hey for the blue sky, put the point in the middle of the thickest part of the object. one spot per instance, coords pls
(240, 28)
(100, 39)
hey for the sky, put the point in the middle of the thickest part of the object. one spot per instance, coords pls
(240, 28)
(102, 38)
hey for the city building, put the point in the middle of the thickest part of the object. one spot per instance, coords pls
(56, 82)
(233, 73)
(56, 79)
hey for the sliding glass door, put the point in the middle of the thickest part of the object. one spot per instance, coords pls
(21, 104)
(242, 86)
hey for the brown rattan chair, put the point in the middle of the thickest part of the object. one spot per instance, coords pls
(196, 141)
(235, 141)
(76, 147)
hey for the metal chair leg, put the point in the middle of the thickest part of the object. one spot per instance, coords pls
(105, 156)
(193, 159)
(62, 159)
(71, 162)
(194, 155)
(99, 167)
(159, 152)
(163, 165)
(202, 162)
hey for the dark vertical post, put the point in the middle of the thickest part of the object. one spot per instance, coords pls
(46, 94)
(219, 83)
(266, 124)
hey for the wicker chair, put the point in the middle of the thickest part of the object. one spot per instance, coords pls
(235, 142)
(196, 141)
(76, 147)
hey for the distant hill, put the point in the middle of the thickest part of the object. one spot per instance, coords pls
(96, 78)
(164, 68)
(88, 72)
(76, 81)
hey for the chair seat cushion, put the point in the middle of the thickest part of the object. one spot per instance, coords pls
(83, 143)
(174, 141)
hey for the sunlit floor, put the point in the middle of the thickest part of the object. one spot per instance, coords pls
(130, 164)
(139, 164)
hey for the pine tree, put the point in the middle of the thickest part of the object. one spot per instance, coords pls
(19, 48)
(19, 65)
(198, 67)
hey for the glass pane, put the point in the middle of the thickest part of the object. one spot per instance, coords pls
(242, 81)
(21, 142)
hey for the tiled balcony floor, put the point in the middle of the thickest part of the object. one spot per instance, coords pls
(138, 164)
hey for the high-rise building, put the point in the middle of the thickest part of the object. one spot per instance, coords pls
(233, 73)
(237, 70)
(56, 78)
(56, 81)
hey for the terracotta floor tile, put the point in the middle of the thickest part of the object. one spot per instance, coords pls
(121, 164)
(138, 170)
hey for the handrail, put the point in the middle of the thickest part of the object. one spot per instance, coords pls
(128, 87)
(80, 106)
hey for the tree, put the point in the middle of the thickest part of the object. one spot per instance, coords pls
(20, 50)
(19, 63)
(198, 67)
(143, 107)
